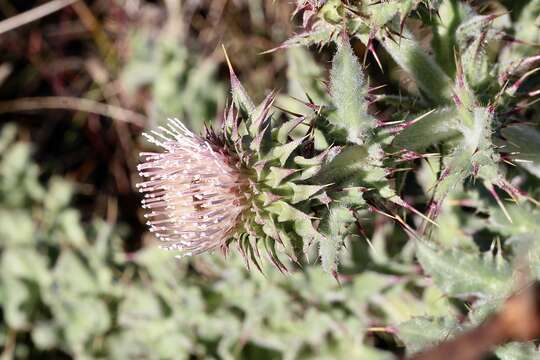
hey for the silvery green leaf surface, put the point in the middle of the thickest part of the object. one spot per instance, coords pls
(518, 351)
(523, 142)
(348, 89)
(423, 332)
(430, 78)
(384, 122)
(461, 274)
(431, 128)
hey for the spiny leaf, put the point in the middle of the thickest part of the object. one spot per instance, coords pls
(328, 252)
(283, 152)
(347, 90)
(523, 142)
(474, 155)
(451, 14)
(344, 165)
(321, 33)
(383, 12)
(474, 27)
(314, 161)
(476, 63)
(240, 96)
(458, 273)
(287, 128)
(436, 127)
(286, 212)
(304, 192)
(420, 333)
(336, 230)
(352, 196)
(430, 78)
(277, 175)
(259, 116)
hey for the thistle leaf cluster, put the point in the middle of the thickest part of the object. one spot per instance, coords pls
(452, 112)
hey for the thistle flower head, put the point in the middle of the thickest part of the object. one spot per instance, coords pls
(194, 190)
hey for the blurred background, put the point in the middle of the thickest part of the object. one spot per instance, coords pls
(79, 275)
(82, 83)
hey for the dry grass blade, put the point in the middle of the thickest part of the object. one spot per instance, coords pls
(72, 103)
(34, 14)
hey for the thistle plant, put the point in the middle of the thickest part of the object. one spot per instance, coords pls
(464, 109)
(236, 185)
(300, 180)
(403, 160)
(287, 185)
(312, 176)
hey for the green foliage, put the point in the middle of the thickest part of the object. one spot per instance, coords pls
(460, 106)
(426, 105)
(348, 91)
(430, 78)
(70, 288)
(459, 274)
(421, 332)
(523, 142)
(181, 84)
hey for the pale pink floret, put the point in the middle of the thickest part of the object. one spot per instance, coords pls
(193, 191)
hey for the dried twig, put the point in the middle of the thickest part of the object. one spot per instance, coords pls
(5, 71)
(34, 14)
(72, 103)
(519, 320)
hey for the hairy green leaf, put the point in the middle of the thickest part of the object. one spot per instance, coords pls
(348, 90)
(461, 274)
